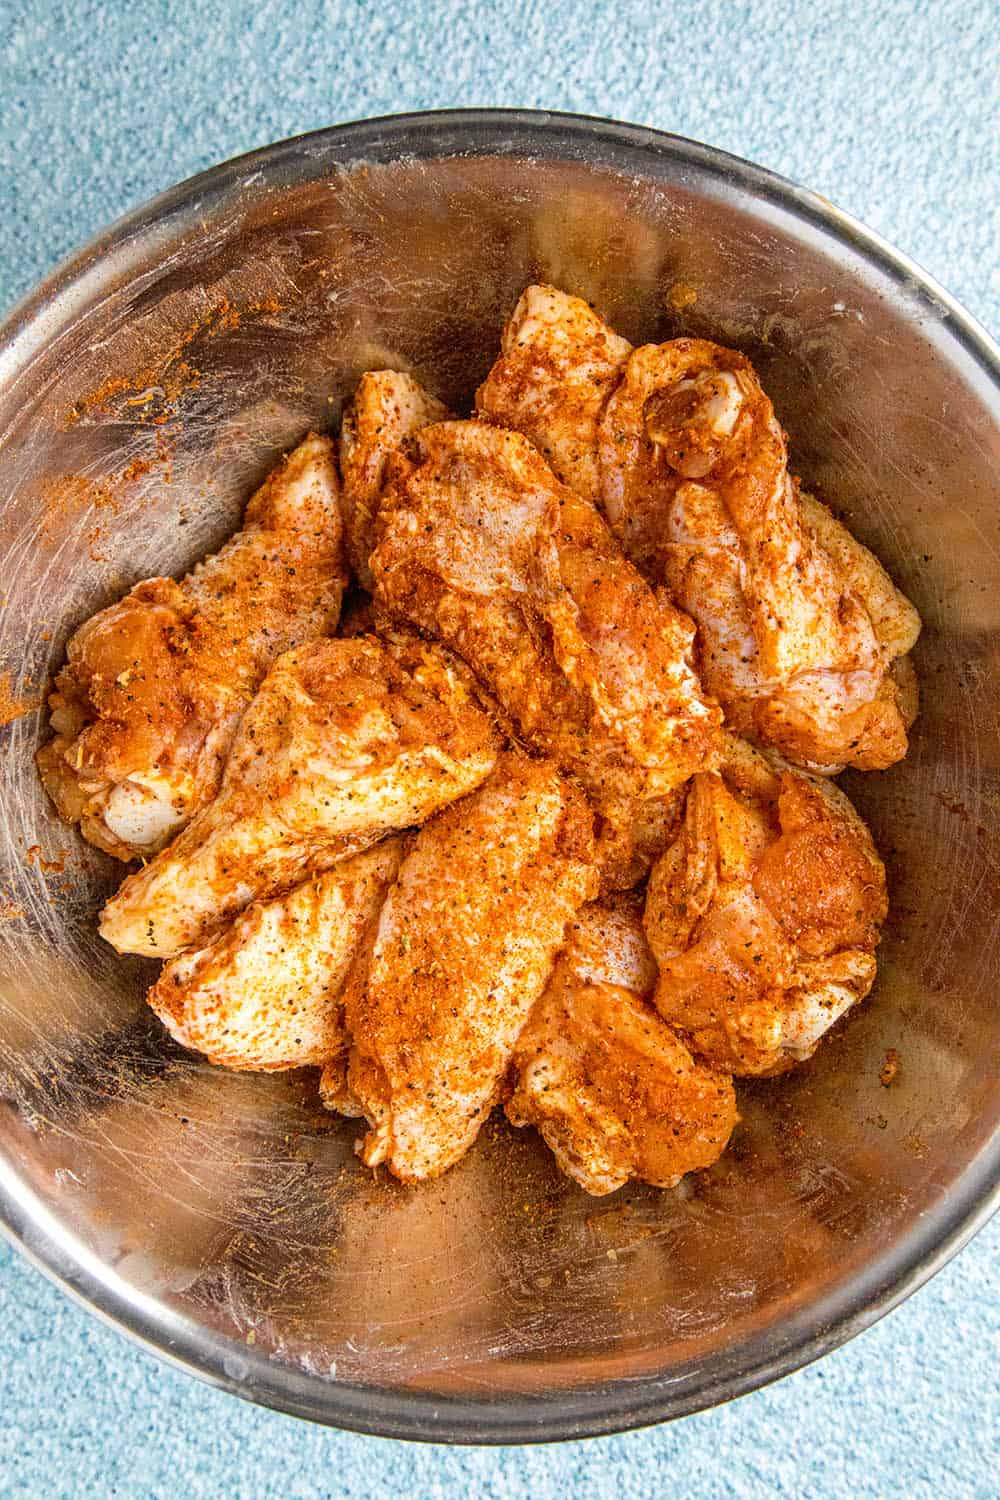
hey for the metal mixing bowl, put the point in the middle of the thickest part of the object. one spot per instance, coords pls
(222, 1219)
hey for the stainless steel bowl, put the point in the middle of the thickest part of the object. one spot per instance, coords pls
(221, 1219)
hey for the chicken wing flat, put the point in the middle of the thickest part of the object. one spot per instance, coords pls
(613, 1091)
(145, 709)
(558, 365)
(463, 949)
(265, 995)
(802, 635)
(480, 546)
(387, 409)
(764, 914)
(345, 741)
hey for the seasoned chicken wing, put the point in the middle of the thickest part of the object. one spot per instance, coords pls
(481, 547)
(346, 740)
(387, 409)
(463, 949)
(265, 994)
(145, 709)
(802, 636)
(558, 365)
(764, 914)
(613, 1091)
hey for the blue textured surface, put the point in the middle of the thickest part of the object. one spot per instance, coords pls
(891, 110)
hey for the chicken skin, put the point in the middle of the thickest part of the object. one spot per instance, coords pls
(145, 709)
(613, 1091)
(387, 409)
(265, 995)
(345, 741)
(559, 363)
(802, 637)
(479, 546)
(764, 914)
(463, 949)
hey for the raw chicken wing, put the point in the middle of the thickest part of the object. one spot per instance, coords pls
(387, 409)
(480, 546)
(558, 365)
(613, 1091)
(802, 636)
(764, 914)
(463, 949)
(346, 740)
(145, 709)
(265, 995)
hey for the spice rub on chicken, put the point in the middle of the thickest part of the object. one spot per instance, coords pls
(145, 709)
(462, 950)
(387, 410)
(265, 994)
(802, 637)
(346, 741)
(479, 546)
(764, 914)
(612, 1089)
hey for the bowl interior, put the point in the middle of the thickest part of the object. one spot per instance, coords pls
(223, 1217)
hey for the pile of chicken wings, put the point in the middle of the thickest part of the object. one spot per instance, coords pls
(544, 818)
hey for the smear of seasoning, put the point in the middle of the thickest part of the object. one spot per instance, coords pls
(54, 866)
(953, 805)
(67, 496)
(889, 1069)
(153, 393)
(12, 707)
(681, 295)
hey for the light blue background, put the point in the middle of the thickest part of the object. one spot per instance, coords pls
(890, 109)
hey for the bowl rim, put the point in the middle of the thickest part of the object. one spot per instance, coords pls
(580, 1410)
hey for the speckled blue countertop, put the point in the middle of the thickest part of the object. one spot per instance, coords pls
(891, 109)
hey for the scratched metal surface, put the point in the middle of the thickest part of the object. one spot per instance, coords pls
(224, 1216)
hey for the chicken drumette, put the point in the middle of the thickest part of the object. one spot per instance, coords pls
(145, 709)
(345, 741)
(462, 950)
(613, 1091)
(802, 636)
(478, 545)
(764, 914)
